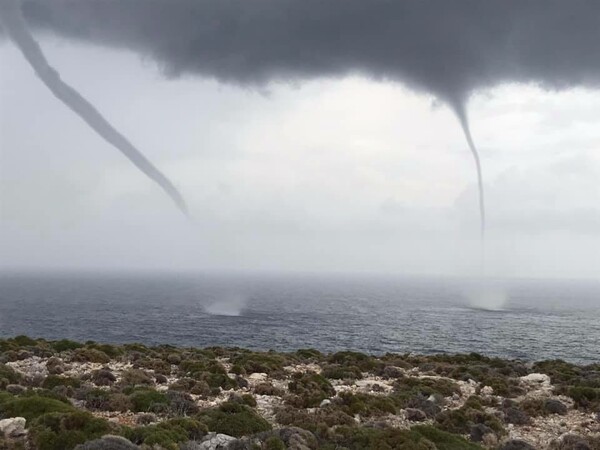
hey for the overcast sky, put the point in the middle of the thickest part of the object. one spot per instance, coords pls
(330, 174)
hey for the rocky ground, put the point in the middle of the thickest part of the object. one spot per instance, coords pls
(58, 395)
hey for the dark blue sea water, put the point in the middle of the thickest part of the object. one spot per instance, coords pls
(531, 320)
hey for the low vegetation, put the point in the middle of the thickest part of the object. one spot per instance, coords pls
(90, 396)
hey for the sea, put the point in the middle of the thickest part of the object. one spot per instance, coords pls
(530, 320)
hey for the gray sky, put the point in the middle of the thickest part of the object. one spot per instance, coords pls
(332, 173)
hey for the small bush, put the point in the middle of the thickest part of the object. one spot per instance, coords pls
(251, 362)
(119, 402)
(309, 354)
(384, 439)
(103, 377)
(209, 371)
(96, 399)
(584, 396)
(338, 372)
(64, 345)
(52, 381)
(33, 406)
(90, 355)
(145, 400)
(55, 366)
(63, 431)
(111, 350)
(168, 434)
(309, 390)
(157, 365)
(234, 419)
(361, 361)
(267, 389)
(174, 358)
(312, 420)
(364, 404)
(136, 377)
(24, 341)
(461, 420)
(181, 403)
(249, 400)
(273, 443)
(8, 375)
(408, 390)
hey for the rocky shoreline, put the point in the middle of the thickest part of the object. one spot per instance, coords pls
(60, 395)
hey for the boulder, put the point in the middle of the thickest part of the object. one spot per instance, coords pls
(215, 441)
(487, 391)
(257, 376)
(13, 427)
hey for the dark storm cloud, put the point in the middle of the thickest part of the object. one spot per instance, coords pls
(447, 48)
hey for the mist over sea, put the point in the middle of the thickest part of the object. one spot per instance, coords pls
(527, 319)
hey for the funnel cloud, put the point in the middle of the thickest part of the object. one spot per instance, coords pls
(446, 49)
(17, 30)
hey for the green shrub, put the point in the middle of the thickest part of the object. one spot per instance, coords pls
(312, 420)
(97, 399)
(251, 362)
(338, 372)
(461, 420)
(443, 440)
(308, 390)
(103, 377)
(32, 406)
(145, 400)
(157, 365)
(249, 400)
(9, 375)
(90, 355)
(65, 344)
(233, 419)
(584, 396)
(274, 443)
(52, 381)
(267, 389)
(364, 362)
(209, 371)
(24, 341)
(112, 351)
(309, 354)
(63, 431)
(168, 434)
(47, 394)
(119, 402)
(364, 404)
(380, 439)
(136, 377)
(407, 389)
(181, 403)
(505, 387)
